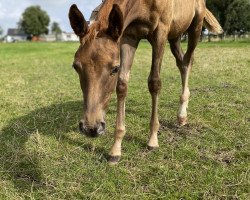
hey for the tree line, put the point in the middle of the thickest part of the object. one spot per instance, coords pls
(233, 15)
(35, 22)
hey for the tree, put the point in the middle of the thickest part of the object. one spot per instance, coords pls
(233, 15)
(219, 9)
(1, 31)
(238, 17)
(34, 21)
(55, 28)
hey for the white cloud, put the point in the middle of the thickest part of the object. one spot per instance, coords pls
(11, 10)
(2, 11)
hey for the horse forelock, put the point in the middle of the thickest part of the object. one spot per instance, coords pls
(100, 24)
(91, 34)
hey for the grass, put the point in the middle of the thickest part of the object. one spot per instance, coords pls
(42, 155)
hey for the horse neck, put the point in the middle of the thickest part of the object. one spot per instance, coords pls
(127, 7)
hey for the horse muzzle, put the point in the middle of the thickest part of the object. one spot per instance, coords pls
(94, 131)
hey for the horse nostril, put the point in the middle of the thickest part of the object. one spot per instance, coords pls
(101, 128)
(91, 130)
(103, 124)
(81, 126)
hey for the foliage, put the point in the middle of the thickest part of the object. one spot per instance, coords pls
(1, 30)
(43, 156)
(55, 28)
(34, 21)
(233, 15)
(219, 8)
(238, 17)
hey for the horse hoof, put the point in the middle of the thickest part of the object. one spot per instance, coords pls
(113, 160)
(150, 148)
(182, 121)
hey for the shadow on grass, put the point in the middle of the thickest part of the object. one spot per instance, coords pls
(20, 165)
(183, 131)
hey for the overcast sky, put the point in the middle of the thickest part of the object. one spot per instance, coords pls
(11, 10)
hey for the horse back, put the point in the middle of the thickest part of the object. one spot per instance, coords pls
(172, 16)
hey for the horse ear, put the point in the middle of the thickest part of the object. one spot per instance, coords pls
(115, 23)
(77, 21)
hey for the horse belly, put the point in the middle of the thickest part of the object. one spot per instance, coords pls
(178, 28)
(183, 14)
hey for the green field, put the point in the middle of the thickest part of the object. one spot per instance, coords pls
(43, 156)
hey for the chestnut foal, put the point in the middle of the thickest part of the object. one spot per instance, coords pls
(107, 47)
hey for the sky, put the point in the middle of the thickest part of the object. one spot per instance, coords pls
(11, 11)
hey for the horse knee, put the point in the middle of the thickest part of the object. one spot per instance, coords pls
(121, 88)
(154, 85)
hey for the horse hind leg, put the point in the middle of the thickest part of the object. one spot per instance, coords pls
(184, 63)
(184, 71)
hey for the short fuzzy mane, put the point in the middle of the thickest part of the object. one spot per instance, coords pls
(100, 24)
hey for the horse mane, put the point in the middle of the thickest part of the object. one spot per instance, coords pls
(103, 14)
(100, 24)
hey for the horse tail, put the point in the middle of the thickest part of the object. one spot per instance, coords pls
(211, 23)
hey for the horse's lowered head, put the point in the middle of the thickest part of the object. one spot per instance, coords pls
(97, 63)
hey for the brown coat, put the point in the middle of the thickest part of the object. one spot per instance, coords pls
(113, 38)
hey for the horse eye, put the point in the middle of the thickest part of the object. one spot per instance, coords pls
(74, 66)
(115, 70)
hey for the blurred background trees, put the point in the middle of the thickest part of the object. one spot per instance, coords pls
(55, 29)
(34, 21)
(1, 31)
(233, 15)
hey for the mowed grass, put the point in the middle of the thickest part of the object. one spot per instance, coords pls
(43, 156)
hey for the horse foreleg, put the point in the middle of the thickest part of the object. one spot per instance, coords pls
(158, 42)
(128, 48)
